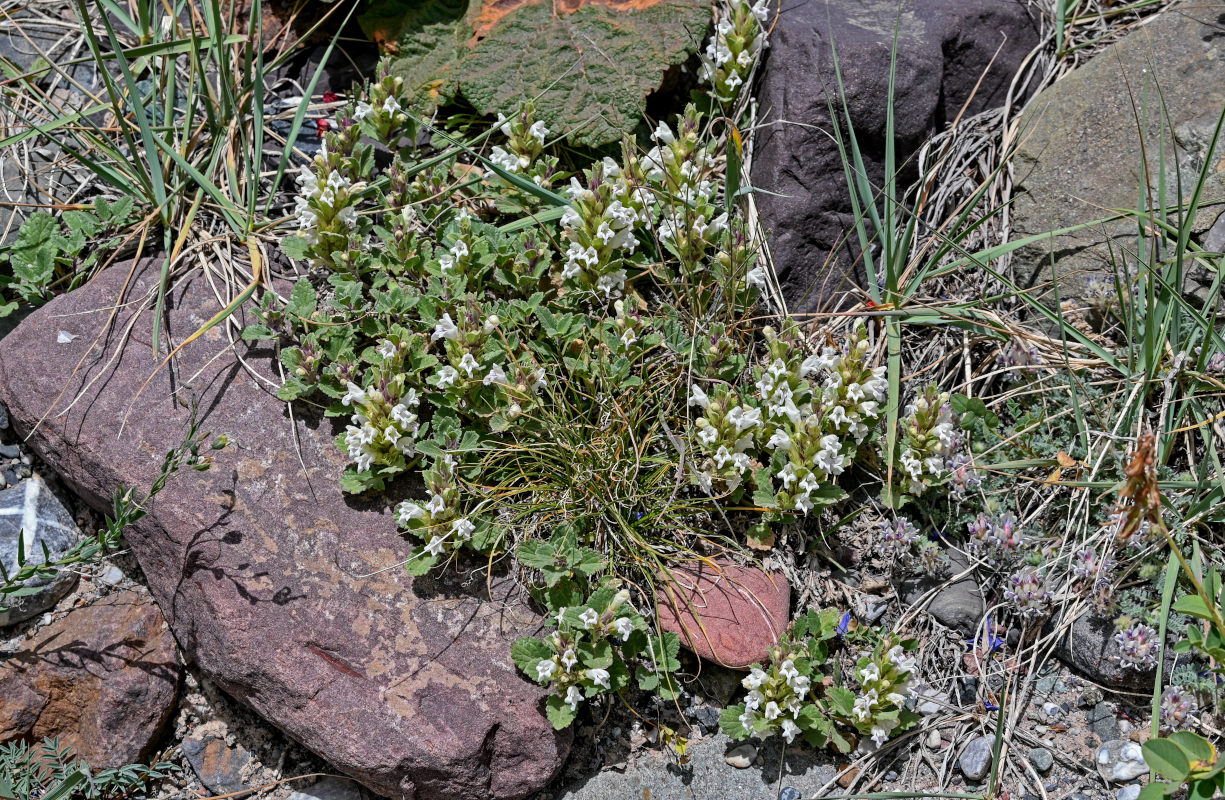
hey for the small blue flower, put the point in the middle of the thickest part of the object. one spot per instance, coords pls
(844, 624)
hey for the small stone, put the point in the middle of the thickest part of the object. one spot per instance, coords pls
(1052, 710)
(1128, 792)
(1045, 685)
(32, 513)
(933, 740)
(111, 576)
(330, 788)
(1125, 727)
(891, 775)
(870, 608)
(926, 701)
(965, 691)
(975, 760)
(706, 716)
(1041, 730)
(790, 793)
(10, 478)
(1088, 698)
(10, 451)
(741, 756)
(959, 604)
(1061, 685)
(1103, 723)
(218, 766)
(1041, 759)
(1120, 760)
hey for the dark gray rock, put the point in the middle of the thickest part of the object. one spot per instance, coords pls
(1103, 722)
(1080, 153)
(33, 512)
(944, 47)
(1090, 648)
(964, 692)
(10, 451)
(1041, 759)
(975, 759)
(958, 605)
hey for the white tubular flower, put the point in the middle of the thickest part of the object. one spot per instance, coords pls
(589, 618)
(697, 397)
(387, 348)
(503, 159)
(406, 511)
(434, 548)
(624, 626)
(444, 329)
(538, 131)
(495, 375)
(779, 441)
(569, 659)
(436, 505)
(469, 364)
(362, 110)
(754, 679)
(663, 134)
(801, 685)
(573, 698)
(788, 671)
(744, 418)
(772, 711)
(901, 660)
(599, 677)
(462, 529)
(390, 105)
(446, 376)
(354, 394)
(790, 730)
(757, 277)
(401, 414)
(869, 673)
(545, 670)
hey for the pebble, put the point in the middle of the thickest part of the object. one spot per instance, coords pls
(975, 760)
(964, 692)
(1045, 685)
(891, 775)
(1052, 710)
(1120, 760)
(1103, 723)
(330, 788)
(218, 766)
(869, 608)
(1041, 758)
(790, 793)
(111, 576)
(741, 756)
(10, 451)
(933, 740)
(1090, 697)
(706, 716)
(1129, 792)
(10, 478)
(926, 701)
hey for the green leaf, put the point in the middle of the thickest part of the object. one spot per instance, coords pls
(559, 712)
(729, 722)
(527, 652)
(255, 333)
(33, 254)
(302, 300)
(589, 71)
(1167, 759)
(841, 699)
(535, 553)
(1156, 791)
(296, 247)
(420, 563)
(1196, 747)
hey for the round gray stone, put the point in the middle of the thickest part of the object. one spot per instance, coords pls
(1041, 759)
(1120, 760)
(975, 760)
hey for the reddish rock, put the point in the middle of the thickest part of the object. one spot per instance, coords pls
(218, 766)
(730, 614)
(102, 679)
(287, 593)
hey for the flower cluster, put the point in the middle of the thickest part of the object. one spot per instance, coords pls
(439, 520)
(526, 137)
(380, 112)
(884, 678)
(737, 41)
(1138, 646)
(606, 208)
(808, 415)
(898, 536)
(1178, 709)
(592, 651)
(329, 191)
(1000, 536)
(1019, 358)
(901, 539)
(775, 699)
(681, 167)
(1026, 589)
(929, 439)
(384, 424)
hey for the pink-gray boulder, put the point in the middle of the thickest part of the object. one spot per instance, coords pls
(287, 593)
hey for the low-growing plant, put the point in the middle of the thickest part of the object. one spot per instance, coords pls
(50, 770)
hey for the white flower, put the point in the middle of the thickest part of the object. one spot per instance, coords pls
(444, 329)
(869, 673)
(744, 418)
(779, 441)
(401, 414)
(573, 698)
(354, 394)
(752, 701)
(787, 474)
(568, 659)
(446, 262)
(772, 711)
(408, 511)
(505, 160)
(757, 277)
(801, 685)
(446, 376)
(436, 504)
(589, 618)
(901, 660)
(754, 679)
(538, 131)
(503, 124)
(469, 364)
(434, 548)
(391, 106)
(804, 503)
(628, 338)
(561, 613)
(495, 375)
(462, 529)
(697, 397)
(599, 677)
(788, 671)
(459, 249)
(362, 110)
(880, 731)
(624, 626)
(545, 669)
(387, 349)
(863, 706)
(663, 134)
(790, 730)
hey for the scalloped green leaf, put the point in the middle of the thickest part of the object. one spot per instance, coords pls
(589, 70)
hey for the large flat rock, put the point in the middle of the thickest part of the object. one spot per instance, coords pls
(284, 591)
(1095, 141)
